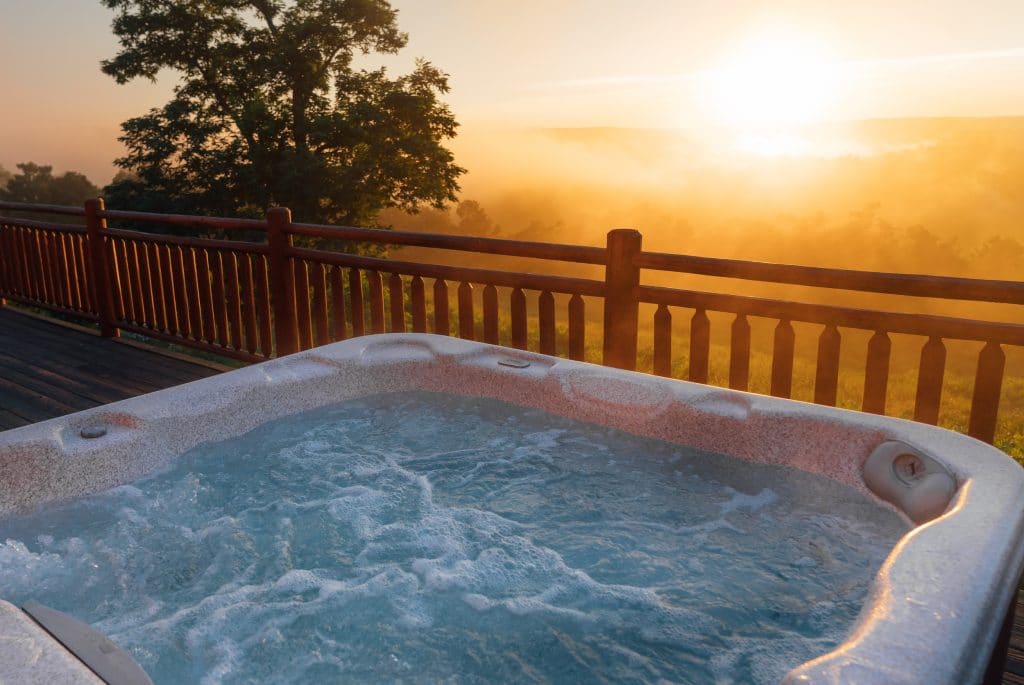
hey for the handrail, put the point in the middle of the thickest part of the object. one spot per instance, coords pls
(186, 220)
(916, 285)
(582, 254)
(41, 225)
(41, 208)
(186, 241)
(850, 317)
(509, 279)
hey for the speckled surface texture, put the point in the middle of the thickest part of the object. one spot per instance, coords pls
(29, 656)
(933, 609)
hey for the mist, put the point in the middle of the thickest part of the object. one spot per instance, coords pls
(939, 196)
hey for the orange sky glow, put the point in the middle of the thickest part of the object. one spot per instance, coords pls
(752, 67)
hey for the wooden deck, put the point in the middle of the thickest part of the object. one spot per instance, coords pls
(1013, 674)
(48, 369)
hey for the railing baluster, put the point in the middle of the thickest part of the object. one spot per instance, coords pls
(149, 291)
(700, 346)
(490, 314)
(305, 318)
(220, 295)
(124, 281)
(9, 253)
(739, 353)
(70, 271)
(31, 281)
(166, 269)
(546, 322)
(65, 274)
(45, 282)
(35, 263)
(192, 288)
(13, 248)
(419, 305)
(338, 299)
(59, 269)
(28, 239)
(138, 296)
(266, 325)
(663, 341)
(28, 283)
(49, 273)
(319, 277)
(396, 294)
(826, 377)
(577, 327)
(50, 261)
(233, 312)
(355, 291)
(156, 284)
(441, 324)
(46, 259)
(85, 285)
(7, 272)
(5, 268)
(876, 373)
(182, 293)
(132, 286)
(206, 291)
(247, 290)
(988, 385)
(782, 360)
(929, 381)
(466, 311)
(375, 284)
(518, 306)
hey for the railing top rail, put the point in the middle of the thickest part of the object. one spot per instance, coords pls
(47, 209)
(186, 220)
(917, 285)
(187, 241)
(509, 279)
(847, 317)
(42, 225)
(583, 254)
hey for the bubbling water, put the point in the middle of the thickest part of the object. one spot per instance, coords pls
(418, 537)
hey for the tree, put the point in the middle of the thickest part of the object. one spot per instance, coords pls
(270, 110)
(37, 184)
(5, 176)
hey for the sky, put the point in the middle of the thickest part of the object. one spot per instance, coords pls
(574, 63)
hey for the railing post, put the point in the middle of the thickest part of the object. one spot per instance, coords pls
(100, 286)
(621, 308)
(282, 280)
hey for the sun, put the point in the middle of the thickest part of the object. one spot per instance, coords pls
(781, 79)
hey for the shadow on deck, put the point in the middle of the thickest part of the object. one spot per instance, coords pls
(49, 369)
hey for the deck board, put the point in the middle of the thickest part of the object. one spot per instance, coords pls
(48, 370)
(1013, 674)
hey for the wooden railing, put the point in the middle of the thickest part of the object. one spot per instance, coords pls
(255, 300)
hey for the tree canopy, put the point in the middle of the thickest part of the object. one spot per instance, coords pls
(36, 183)
(270, 109)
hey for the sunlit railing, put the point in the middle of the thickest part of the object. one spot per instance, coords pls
(255, 300)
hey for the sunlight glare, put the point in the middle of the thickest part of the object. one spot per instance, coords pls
(781, 79)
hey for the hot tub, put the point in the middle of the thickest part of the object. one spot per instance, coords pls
(934, 608)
